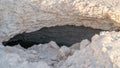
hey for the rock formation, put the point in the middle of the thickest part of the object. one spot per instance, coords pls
(17, 16)
(62, 35)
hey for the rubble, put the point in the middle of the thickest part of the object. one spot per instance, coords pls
(102, 51)
(17, 16)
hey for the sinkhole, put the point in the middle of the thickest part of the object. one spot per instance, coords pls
(62, 35)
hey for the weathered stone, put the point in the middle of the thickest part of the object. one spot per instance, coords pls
(17, 16)
(63, 35)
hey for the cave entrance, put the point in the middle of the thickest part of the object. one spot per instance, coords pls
(62, 35)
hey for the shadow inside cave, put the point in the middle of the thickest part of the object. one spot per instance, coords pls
(62, 35)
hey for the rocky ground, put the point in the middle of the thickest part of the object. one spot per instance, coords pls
(101, 52)
(18, 16)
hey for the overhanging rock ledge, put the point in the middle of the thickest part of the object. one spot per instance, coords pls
(17, 16)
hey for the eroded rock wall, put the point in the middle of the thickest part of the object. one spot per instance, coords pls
(101, 52)
(17, 16)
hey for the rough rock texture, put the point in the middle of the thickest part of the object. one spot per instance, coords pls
(16, 58)
(102, 52)
(62, 35)
(17, 16)
(42, 56)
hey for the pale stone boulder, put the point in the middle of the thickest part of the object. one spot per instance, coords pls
(17, 16)
(102, 52)
(13, 57)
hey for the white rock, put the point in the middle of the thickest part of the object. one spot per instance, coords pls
(17, 16)
(75, 46)
(103, 51)
(54, 45)
(84, 43)
(64, 52)
(15, 57)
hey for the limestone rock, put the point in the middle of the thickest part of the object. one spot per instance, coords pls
(17, 16)
(84, 43)
(64, 52)
(103, 51)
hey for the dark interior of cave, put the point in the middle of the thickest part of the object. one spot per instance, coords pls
(62, 35)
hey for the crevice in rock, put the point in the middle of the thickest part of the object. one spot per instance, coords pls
(62, 35)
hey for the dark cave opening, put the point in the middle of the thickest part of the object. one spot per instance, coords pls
(62, 35)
